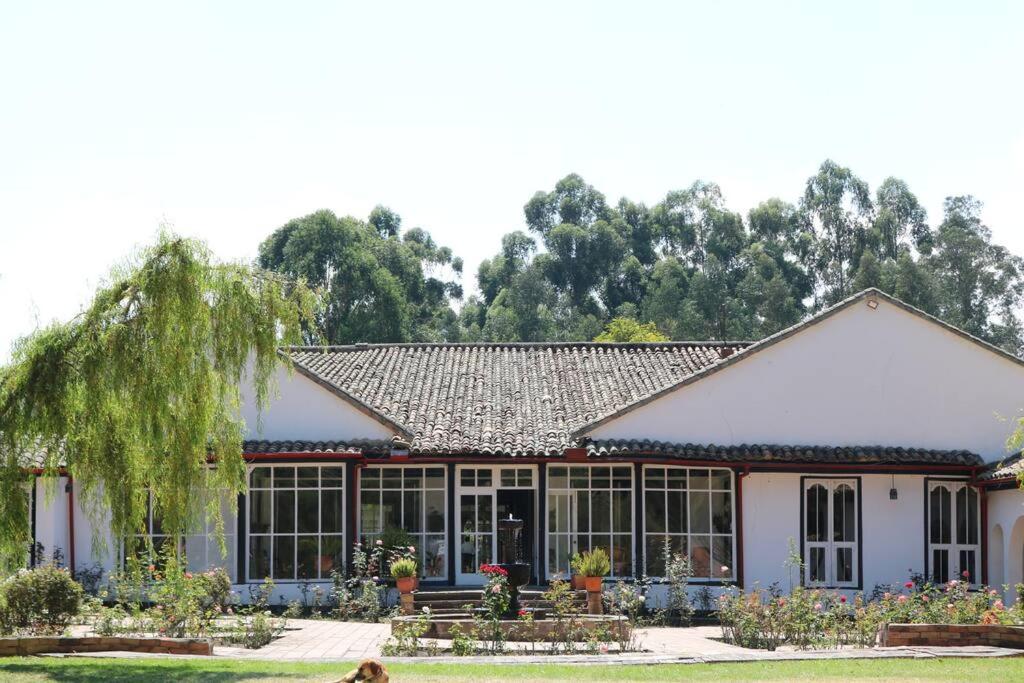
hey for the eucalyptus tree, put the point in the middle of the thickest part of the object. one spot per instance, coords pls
(898, 215)
(838, 204)
(134, 395)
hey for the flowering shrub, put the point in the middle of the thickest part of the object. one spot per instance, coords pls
(39, 601)
(359, 595)
(819, 618)
(496, 599)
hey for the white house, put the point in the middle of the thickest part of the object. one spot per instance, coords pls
(869, 437)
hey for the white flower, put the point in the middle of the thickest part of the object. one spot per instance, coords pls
(426, 610)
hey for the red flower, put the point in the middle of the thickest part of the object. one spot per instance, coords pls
(522, 613)
(966, 574)
(908, 584)
(842, 598)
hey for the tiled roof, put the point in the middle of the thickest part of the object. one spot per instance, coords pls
(509, 399)
(1008, 468)
(877, 455)
(364, 446)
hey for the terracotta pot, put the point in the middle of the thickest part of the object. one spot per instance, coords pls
(578, 583)
(593, 584)
(406, 584)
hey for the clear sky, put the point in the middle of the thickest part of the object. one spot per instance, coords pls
(227, 119)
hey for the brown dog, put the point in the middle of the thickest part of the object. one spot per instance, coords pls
(369, 670)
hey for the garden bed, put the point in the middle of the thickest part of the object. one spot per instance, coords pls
(949, 635)
(35, 645)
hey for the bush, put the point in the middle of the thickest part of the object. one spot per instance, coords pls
(39, 601)
(595, 563)
(403, 569)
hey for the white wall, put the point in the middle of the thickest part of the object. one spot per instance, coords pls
(892, 531)
(861, 377)
(305, 410)
(1006, 510)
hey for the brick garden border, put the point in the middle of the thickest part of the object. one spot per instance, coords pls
(39, 645)
(947, 635)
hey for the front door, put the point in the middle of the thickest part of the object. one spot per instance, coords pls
(482, 494)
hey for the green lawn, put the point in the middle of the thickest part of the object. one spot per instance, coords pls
(143, 670)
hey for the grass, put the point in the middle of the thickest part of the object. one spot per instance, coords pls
(18, 669)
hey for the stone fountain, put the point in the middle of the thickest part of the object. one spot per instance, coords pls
(510, 558)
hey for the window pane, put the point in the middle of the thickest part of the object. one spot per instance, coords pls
(308, 478)
(844, 565)
(332, 477)
(700, 479)
(700, 556)
(654, 477)
(967, 565)
(817, 513)
(582, 512)
(600, 512)
(435, 510)
(972, 516)
(259, 512)
(467, 503)
(284, 477)
(309, 557)
(467, 477)
(434, 478)
(259, 557)
(433, 554)
(622, 555)
(700, 512)
(413, 512)
(843, 514)
(284, 557)
(654, 511)
(721, 513)
(675, 478)
(961, 515)
(484, 511)
(525, 477)
(331, 512)
(369, 512)
(601, 478)
(622, 512)
(331, 554)
(260, 478)
(284, 511)
(816, 565)
(939, 514)
(369, 478)
(391, 509)
(579, 478)
(721, 479)
(309, 512)
(558, 478)
(940, 566)
(412, 478)
(391, 478)
(508, 477)
(483, 477)
(721, 557)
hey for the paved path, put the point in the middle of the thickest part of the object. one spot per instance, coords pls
(323, 641)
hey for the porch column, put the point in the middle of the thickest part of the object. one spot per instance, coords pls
(453, 541)
(638, 520)
(542, 523)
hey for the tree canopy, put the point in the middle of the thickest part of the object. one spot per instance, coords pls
(134, 395)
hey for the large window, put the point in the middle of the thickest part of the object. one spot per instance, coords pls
(830, 532)
(200, 546)
(590, 507)
(296, 521)
(412, 499)
(689, 511)
(953, 531)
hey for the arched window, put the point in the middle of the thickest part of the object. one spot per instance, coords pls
(830, 532)
(953, 532)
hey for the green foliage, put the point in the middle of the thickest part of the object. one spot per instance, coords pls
(630, 330)
(595, 563)
(39, 601)
(137, 391)
(359, 594)
(678, 610)
(403, 569)
(379, 284)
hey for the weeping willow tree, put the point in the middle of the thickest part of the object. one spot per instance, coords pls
(141, 391)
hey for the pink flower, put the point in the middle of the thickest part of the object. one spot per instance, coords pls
(998, 604)
(412, 549)
(379, 542)
(724, 569)
(604, 648)
(782, 602)
(152, 567)
(842, 599)
(886, 596)
(495, 588)
(901, 599)
(817, 606)
(188, 575)
(993, 593)
(966, 574)
(925, 598)
(230, 611)
(908, 584)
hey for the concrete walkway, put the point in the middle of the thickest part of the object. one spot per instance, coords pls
(325, 641)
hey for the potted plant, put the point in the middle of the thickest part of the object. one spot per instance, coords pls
(404, 573)
(576, 573)
(594, 565)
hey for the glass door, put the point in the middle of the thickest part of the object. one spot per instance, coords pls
(476, 522)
